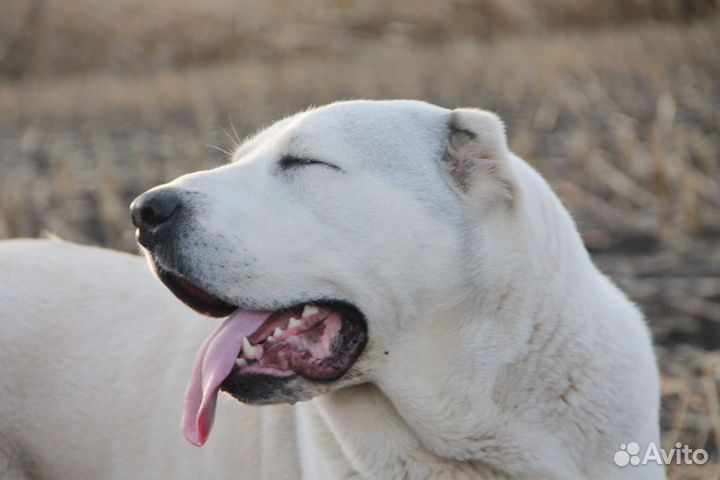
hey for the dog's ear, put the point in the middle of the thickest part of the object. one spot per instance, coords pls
(476, 156)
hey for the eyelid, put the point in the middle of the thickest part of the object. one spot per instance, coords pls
(289, 161)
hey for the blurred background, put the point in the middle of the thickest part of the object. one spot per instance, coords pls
(616, 102)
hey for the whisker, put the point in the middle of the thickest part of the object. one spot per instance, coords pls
(220, 149)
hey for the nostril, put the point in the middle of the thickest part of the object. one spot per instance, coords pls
(153, 209)
(152, 216)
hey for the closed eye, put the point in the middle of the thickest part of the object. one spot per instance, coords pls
(288, 161)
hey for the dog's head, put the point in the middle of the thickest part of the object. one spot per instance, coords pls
(325, 240)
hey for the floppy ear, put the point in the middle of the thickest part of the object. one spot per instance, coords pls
(477, 156)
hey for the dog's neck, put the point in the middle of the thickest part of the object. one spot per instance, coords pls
(463, 410)
(422, 428)
(390, 449)
(450, 415)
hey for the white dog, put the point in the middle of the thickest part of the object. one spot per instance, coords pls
(392, 261)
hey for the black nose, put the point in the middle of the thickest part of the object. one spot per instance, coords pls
(152, 211)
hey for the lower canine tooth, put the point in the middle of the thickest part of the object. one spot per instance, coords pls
(241, 362)
(278, 332)
(248, 350)
(293, 323)
(309, 310)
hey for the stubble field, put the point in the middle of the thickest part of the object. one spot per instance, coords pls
(619, 107)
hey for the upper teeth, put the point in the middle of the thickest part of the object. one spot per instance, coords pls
(309, 310)
(248, 350)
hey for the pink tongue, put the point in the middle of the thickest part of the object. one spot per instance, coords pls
(213, 364)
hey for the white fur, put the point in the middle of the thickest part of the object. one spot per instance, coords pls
(496, 348)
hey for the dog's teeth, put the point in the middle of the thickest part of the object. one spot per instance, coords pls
(248, 350)
(294, 323)
(309, 310)
(278, 332)
(241, 362)
(270, 339)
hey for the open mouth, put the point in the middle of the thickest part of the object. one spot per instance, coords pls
(319, 340)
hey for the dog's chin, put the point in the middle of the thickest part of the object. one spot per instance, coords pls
(307, 347)
(258, 389)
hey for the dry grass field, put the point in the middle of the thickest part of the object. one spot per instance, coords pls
(617, 103)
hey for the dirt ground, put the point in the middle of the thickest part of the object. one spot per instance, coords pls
(619, 108)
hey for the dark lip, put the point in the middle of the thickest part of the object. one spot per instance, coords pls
(258, 389)
(354, 332)
(193, 296)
